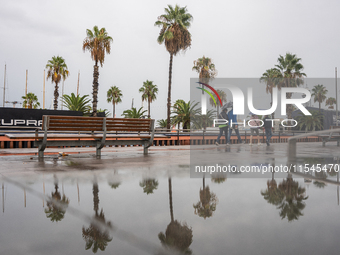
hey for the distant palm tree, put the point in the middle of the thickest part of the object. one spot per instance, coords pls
(97, 42)
(310, 122)
(223, 97)
(271, 78)
(114, 95)
(76, 103)
(184, 112)
(207, 204)
(331, 101)
(57, 70)
(205, 68)
(202, 121)
(291, 73)
(176, 37)
(161, 123)
(149, 91)
(319, 94)
(30, 101)
(133, 113)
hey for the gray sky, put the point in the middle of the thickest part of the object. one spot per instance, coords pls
(244, 38)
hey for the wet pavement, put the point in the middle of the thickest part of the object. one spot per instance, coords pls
(128, 203)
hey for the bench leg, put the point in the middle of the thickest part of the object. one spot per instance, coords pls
(41, 151)
(323, 143)
(98, 153)
(145, 149)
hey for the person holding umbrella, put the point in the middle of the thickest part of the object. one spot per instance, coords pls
(232, 120)
(223, 127)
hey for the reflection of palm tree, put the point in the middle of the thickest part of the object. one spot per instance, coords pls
(218, 179)
(149, 185)
(273, 195)
(57, 205)
(177, 236)
(94, 235)
(292, 206)
(207, 204)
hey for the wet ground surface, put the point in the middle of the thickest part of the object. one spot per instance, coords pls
(128, 203)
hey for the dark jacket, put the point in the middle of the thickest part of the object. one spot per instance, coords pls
(267, 124)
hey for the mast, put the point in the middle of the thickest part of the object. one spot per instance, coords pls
(26, 82)
(78, 83)
(3, 103)
(44, 92)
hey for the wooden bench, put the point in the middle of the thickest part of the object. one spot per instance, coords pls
(91, 131)
(334, 135)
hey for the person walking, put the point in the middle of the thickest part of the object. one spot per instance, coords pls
(254, 124)
(232, 126)
(268, 128)
(223, 127)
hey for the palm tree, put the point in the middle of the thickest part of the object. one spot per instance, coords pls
(149, 91)
(57, 204)
(133, 113)
(114, 95)
(76, 103)
(184, 112)
(205, 68)
(202, 121)
(30, 101)
(177, 236)
(57, 70)
(331, 101)
(319, 94)
(176, 37)
(292, 204)
(310, 122)
(161, 123)
(291, 73)
(223, 97)
(207, 204)
(149, 185)
(95, 235)
(270, 77)
(97, 42)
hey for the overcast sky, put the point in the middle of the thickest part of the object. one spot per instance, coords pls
(243, 37)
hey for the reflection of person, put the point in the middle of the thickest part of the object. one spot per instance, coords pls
(223, 127)
(233, 119)
(268, 128)
(254, 124)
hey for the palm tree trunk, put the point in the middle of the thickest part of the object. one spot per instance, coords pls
(95, 191)
(149, 108)
(169, 93)
(113, 109)
(170, 201)
(56, 95)
(95, 89)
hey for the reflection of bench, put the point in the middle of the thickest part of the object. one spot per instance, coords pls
(331, 137)
(91, 131)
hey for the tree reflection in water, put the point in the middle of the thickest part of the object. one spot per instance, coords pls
(292, 205)
(57, 204)
(177, 236)
(207, 204)
(96, 235)
(149, 185)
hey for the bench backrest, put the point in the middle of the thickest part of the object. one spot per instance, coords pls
(80, 123)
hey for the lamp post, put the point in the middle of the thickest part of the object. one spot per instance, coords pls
(336, 94)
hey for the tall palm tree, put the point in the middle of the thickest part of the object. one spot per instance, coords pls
(97, 42)
(177, 236)
(291, 75)
(76, 103)
(57, 70)
(184, 112)
(176, 37)
(331, 101)
(95, 235)
(114, 95)
(270, 77)
(30, 101)
(149, 91)
(205, 68)
(134, 113)
(319, 94)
